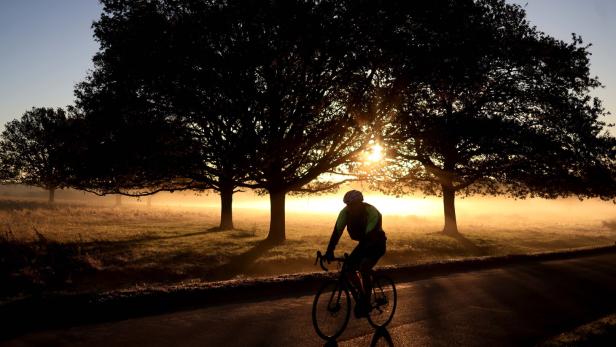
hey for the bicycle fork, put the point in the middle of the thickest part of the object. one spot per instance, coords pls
(337, 294)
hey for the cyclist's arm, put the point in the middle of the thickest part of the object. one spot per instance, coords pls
(338, 229)
(373, 218)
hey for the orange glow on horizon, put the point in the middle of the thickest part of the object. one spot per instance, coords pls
(326, 204)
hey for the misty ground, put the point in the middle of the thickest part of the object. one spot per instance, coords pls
(83, 247)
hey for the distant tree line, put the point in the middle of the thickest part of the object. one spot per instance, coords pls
(284, 96)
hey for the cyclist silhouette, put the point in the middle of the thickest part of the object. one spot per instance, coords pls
(364, 224)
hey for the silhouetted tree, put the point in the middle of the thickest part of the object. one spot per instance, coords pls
(155, 67)
(7, 172)
(33, 149)
(118, 148)
(260, 89)
(6, 175)
(299, 72)
(484, 103)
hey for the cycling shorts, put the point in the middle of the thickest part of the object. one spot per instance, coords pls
(365, 255)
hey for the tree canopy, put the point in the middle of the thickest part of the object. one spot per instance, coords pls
(34, 149)
(257, 92)
(484, 103)
(275, 94)
(133, 141)
(303, 69)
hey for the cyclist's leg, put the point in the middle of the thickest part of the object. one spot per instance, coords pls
(355, 263)
(373, 253)
(351, 267)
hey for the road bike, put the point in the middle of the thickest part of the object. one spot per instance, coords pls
(331, 309)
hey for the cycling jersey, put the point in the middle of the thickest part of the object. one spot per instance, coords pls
(358, 222)
(363, 222)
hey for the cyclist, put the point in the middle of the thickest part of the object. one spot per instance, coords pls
(364, 224)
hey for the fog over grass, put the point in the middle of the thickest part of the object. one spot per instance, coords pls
(424, 213)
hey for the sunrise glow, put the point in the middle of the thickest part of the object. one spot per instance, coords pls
(375, 154)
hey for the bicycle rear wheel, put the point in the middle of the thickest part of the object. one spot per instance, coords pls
(331, 310)
(383, 301)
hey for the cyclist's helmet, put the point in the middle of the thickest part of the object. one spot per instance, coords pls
(353, 196)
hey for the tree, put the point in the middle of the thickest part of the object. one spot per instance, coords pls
(6, 176)
(302, 73)
(33, 149)
(7, 173)
(484, 103)
(155, 67)
(260, 89)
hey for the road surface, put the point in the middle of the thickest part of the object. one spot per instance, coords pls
(512, 306)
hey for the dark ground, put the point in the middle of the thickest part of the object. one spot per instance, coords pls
(513, 306)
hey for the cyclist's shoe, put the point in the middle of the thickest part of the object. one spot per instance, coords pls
(362, 308)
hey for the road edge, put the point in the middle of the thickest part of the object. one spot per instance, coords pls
(46, 312)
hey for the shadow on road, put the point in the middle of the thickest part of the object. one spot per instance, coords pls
(381, 337)
(519, 305)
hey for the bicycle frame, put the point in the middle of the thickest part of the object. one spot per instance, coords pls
(343, 278)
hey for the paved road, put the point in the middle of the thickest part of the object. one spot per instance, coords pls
(512, 306)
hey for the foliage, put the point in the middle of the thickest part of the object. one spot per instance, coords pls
(135, 141)
(303, 69)
(34, 149)
(297, 123)
(279, 96)
(259, 89)
(484, 103)
(128, 152)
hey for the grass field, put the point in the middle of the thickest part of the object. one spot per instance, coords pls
(89, 248)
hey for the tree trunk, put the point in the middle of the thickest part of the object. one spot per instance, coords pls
(118, 200)
(52, 195)
(451, 224)
(226, 208)
(277, 203)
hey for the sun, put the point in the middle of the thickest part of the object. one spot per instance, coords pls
(375, 154)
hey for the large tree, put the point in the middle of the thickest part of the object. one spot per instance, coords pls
(34, 149)
(167, 64)
(303, 74)
(135, 106)
(261, 88)
(484, 103)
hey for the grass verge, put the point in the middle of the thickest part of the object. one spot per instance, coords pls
(601, 332)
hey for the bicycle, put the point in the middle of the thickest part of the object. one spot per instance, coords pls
(332, 303)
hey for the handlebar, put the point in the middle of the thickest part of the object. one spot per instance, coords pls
(321, 259)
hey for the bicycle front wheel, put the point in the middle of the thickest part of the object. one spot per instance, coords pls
(383, 301)
(331, 310)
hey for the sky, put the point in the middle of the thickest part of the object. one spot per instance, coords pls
(46, 46)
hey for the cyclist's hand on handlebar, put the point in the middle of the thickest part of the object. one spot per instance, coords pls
(329, 255)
